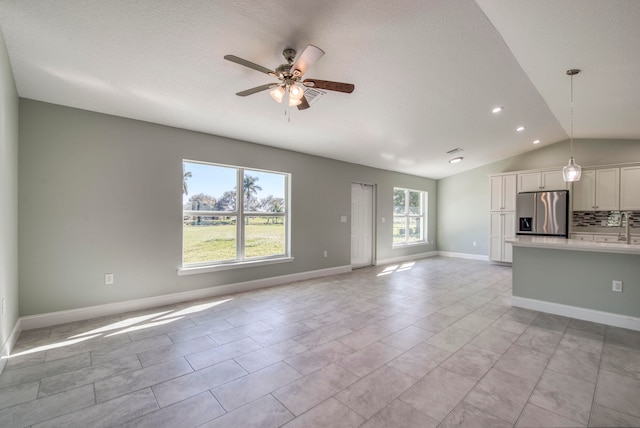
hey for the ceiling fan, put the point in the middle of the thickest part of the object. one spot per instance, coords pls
(290, 87)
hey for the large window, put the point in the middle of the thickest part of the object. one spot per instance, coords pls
(233, 214)
(409, 213)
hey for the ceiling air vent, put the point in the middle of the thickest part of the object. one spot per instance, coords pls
(456, 150)
(312, 94)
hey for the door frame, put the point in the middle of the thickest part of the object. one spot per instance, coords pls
(374, 223)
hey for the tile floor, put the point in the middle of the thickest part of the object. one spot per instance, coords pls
(424, 344)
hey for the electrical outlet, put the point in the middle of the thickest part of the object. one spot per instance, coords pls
(383, 219)
(108, 278)
(325, 254)
(343, 219)
(475, 243)
(616, 286)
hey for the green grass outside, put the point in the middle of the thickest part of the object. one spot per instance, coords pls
(216, 242)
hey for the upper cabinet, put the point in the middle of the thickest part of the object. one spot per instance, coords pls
(597, 190)
(503, 192)
(541, 181)
(630, 188)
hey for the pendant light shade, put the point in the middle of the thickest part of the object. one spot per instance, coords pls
(572, 171)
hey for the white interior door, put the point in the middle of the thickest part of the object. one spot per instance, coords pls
(361, 225)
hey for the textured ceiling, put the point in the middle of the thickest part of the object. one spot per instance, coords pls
(427, 73)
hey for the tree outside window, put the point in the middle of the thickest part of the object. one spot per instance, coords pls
(409, 213)
(217, 228)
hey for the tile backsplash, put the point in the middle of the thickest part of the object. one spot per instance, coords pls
(603, 218)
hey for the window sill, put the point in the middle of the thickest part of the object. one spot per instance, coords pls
(228, 266)
(412, 244)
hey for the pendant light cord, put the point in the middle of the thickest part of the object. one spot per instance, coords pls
(571, 73)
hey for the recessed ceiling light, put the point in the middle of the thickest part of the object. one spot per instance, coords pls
(456, 160)
(520, 128)
(536, 141)
(497, 110)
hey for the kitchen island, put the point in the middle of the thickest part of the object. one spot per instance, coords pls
(573, 278)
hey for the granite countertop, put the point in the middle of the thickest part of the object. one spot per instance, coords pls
(573, 244)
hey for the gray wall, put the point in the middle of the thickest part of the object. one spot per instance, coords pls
(578, 278)
(8, 195)
(102, 194)
(463, 199)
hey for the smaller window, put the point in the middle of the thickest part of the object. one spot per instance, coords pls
(409, 214)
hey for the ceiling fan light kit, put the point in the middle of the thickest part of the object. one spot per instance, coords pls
(572, 171)
(291, 87)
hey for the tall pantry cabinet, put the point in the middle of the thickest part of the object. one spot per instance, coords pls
(503, 216)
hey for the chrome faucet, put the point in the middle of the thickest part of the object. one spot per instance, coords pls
(627, 234)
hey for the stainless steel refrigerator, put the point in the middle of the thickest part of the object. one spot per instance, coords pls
(543, 213)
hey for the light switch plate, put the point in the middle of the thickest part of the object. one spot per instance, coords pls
(343, 219)
(616, 286)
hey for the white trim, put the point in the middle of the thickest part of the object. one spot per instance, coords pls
(464, 256)
(406, 258)
(608, 318)
(9, 344)
(61, 317)
(235, 265)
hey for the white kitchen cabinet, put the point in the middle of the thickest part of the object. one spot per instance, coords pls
(597, 190)
(503, 192)
(630, 188)
(502, 227)
(542, 180)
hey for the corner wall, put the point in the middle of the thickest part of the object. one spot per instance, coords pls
(463, 199)
(8, 202)
(103, 194)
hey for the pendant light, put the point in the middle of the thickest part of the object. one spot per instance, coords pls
(572, 171)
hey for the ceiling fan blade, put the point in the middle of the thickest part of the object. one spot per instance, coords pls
(250, 64)
(257, 89)
(304, 104)
(310, 55)
(328, 85)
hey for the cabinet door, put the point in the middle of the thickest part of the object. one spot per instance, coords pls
(608, 189)
(553, 180)
(503, 193)
(630, 188)
(584, 192)
(529, 182)
(496, 193)
(509, 195)
(495, 237)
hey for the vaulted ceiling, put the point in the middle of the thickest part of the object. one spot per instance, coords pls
(427, 73)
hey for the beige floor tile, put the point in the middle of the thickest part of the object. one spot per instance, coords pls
(330, 413)
(400, 414)
(438, 393)
(265, 412)
(605, 417)
(465, 415)
(315, 388)
(375, 391)
(536, 417)
(471, 361)
(366, 360)
(564, 395)
(618, 392)
(501, 394)
(243, 390)
(419, 360)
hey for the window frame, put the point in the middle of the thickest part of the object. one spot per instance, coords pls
(424, 198)
(240, 215)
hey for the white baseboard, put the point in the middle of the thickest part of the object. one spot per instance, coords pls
(608, 318)
(408, 258)
(61, 317)
(9, 344)
(464, 256)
